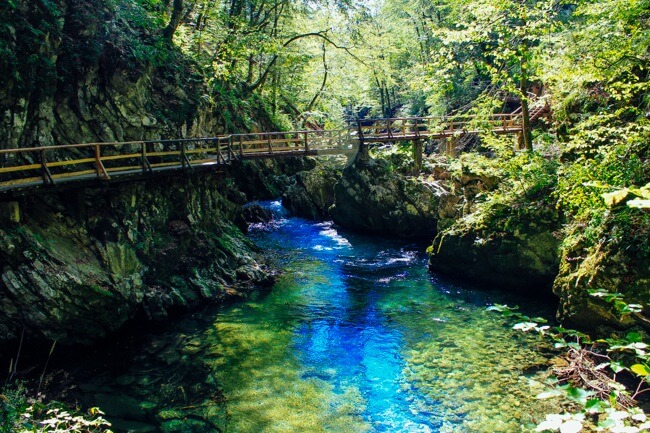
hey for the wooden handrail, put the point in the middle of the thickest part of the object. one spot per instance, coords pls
(117, 158)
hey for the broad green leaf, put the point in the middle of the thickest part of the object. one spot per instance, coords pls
(639, 203)
(571, 426)
(634, 337)
(617, 367)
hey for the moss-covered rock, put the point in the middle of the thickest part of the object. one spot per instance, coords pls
(372, 197)
(522, 256)
(312, 193)
(267, 179)
(80, 265)
(618, 264)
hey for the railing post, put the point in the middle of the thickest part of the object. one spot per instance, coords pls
(45, 171)
(362, 153)
(306, 138)
(241, 146)
(268, 139)
(99, 165)
(216, 143)
(146, 166)
(185, 161)
(231, 152)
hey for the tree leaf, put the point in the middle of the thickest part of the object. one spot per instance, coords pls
(571, 426)
(614, 198)
(640, 370)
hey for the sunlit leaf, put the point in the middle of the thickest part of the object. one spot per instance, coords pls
(571, 426)
(614, 198)
(640, 370)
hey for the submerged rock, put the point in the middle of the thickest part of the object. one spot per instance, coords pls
(255, 214)
(372, 197)
(80, 265)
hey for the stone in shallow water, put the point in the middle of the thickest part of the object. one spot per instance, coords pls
(255, 214)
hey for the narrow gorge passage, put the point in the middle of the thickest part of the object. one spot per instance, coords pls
(355, 336)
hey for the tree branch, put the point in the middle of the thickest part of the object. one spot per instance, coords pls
(320, 34)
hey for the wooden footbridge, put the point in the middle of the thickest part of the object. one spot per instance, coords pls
(25, 170)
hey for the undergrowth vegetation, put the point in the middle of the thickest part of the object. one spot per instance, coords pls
(597, 382)
(20, 412)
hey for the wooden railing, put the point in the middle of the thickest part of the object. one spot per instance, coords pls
(33, 167)
(435, 127)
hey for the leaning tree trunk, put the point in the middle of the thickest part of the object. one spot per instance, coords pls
(174, 21)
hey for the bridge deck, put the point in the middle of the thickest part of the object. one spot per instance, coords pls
(35, 168)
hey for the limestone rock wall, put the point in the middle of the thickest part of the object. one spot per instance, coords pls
(312, 193)
(79, 71)
(81, 264)
(371, 197)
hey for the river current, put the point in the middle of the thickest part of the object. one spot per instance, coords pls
(355, 336)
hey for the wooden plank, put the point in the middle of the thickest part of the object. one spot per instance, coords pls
(70, 162)
(124, 168)
(74, 174)
(116, 157)
(18, 182)
(169, 153)
(167, 164)
(20, 168)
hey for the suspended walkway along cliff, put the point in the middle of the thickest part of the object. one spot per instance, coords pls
(32, 169)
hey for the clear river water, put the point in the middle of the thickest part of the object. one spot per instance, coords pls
(355, 336)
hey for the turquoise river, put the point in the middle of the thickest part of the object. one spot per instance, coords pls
(355, 336)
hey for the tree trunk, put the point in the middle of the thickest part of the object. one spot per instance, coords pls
(525, 113)
(174, 21)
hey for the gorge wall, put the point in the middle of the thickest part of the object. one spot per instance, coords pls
(79, 265)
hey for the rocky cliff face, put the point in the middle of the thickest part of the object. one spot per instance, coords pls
(311, 195)
(372, 197)
(78, 71)
(81, 264)
(619, 264)
(522, 256)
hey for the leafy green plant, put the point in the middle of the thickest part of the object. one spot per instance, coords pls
(21, 413)
(589, 376)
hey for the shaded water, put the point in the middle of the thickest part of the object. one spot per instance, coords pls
(356, 336)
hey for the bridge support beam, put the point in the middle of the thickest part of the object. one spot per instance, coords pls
(450, 144)
(363, 154)
(9, 212)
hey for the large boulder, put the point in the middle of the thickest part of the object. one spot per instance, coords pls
(373, 197)
(312, 194)
(509, 247)
(619, 265)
